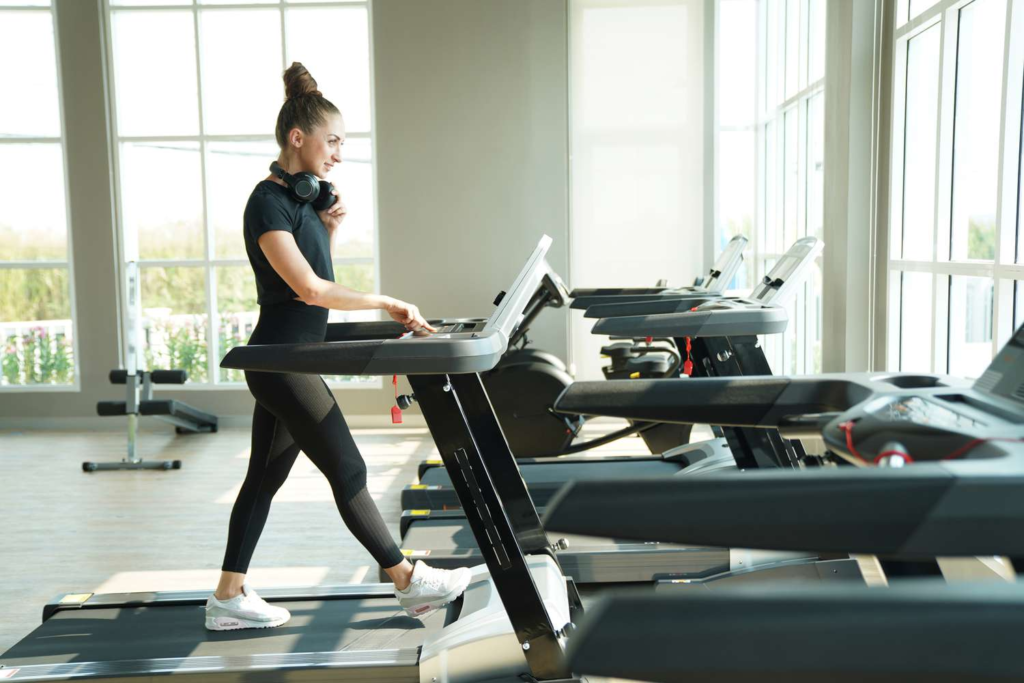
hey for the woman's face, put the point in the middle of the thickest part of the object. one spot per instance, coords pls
(321, 150)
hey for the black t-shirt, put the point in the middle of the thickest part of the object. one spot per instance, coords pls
(271, 207)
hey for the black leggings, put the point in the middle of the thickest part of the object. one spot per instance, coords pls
(293, 413)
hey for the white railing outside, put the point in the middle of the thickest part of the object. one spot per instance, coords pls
(37, 352)
(42, 351)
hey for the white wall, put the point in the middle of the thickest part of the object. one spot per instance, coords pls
(637, 110)
(472, 150)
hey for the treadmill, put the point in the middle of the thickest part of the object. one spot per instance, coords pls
(952, 457)
(723, 342)
(949, 469)
(444, 536)
(513, 621)
(526, 381)
(713, 284)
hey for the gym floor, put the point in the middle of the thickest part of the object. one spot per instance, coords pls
(67, 531)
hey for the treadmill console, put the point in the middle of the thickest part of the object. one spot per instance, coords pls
(788, 271)
(923, 411)
(725, 266)
(727, 305)
(933, 420)
(1005, 374)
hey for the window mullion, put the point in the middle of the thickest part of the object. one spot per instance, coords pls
(284, 42)
(945, 133)
(210, 285)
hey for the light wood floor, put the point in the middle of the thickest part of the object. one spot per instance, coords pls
(63, 530)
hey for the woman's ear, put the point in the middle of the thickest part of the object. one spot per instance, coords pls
(295, 136)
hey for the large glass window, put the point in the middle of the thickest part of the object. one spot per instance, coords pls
(952, 252)
(736, 182)
(637, 75)
(195, 133)
(36, 297)
(979, 69)
(770, 151)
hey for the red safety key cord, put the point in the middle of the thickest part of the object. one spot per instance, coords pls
(396, 412)
(688, 364)
(847, 428)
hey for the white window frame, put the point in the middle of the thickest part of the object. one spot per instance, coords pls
(76, 385)
(767, 113)
(210, 262)
(1003, 270)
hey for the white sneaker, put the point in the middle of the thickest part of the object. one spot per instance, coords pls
(432, 588)
(246, 610)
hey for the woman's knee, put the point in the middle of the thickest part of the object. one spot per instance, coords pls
(349, 476)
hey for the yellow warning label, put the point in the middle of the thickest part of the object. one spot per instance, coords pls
(418, 487)
(434, 461)
(634, 375)
(419, 513)
(75, 598)
(415, 553)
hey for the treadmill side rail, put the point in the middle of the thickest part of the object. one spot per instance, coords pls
(848, 633)
(293, 666)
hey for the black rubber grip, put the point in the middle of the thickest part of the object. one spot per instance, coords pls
(168, 376)
(110, 408)
(155, 376)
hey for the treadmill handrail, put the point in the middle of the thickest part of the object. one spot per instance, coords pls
(913, 632)
(744, 317)
(725, 401)
(636, 306)
(953, 508)
(719, 276)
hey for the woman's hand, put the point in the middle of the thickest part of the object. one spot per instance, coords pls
(333, 215)
(408, 315)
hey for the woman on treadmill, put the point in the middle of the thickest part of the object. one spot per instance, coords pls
(289, 246)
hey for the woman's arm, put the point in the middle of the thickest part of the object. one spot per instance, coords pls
(287, 261)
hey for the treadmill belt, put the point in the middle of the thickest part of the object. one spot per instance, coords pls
(559, 473)
(158, 632)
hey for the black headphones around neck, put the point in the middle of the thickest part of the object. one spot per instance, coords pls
(306, 187)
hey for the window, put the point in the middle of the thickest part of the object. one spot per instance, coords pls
(770, 151)
(953, 244)
(736, 168)
(637, 74)
(36, 294)
(195, 133)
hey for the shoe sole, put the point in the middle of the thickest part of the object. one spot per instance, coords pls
(235, 624)
(426, 608)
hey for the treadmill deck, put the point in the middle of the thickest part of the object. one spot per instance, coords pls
(345, 636)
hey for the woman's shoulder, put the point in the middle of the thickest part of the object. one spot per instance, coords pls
(268, 195)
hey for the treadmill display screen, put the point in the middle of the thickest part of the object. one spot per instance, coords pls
(788, 271)
(924, 412)
(503, 314)
(727, 264)
(1005, 374)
